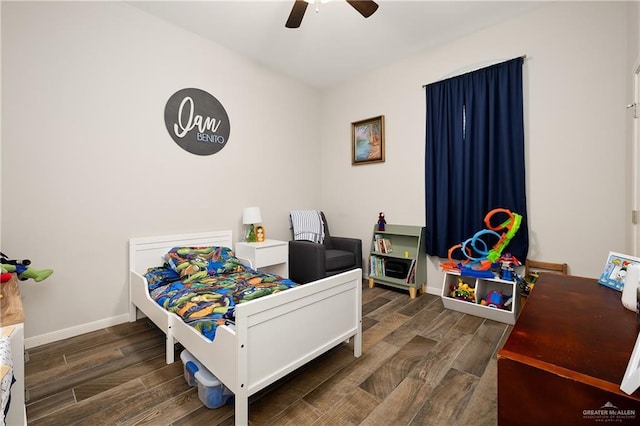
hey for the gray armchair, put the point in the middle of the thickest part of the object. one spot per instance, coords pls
(310, 261)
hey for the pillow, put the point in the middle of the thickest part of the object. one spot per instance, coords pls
(193, 263)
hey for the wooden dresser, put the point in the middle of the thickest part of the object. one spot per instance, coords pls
(12, 325)
(566, 355)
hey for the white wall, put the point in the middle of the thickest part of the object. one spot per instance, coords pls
(575, 132)
(87, 162)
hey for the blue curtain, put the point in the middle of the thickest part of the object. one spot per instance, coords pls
(474, 158)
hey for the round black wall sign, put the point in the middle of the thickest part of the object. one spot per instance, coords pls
(197, 121)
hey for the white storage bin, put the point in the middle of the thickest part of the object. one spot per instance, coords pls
(211, 391)
(191, 366)
(482, 286)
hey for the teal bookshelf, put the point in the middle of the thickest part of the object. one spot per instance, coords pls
(397, 258)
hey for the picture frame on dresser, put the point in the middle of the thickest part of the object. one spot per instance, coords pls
(261, 233)
(615, 270)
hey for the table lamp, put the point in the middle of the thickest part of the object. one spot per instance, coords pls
(251, 216)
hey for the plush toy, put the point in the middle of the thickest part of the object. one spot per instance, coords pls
(381, 221)
(22, 269)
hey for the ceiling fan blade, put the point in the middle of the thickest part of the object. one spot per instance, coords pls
(365, 7)
(297, 13)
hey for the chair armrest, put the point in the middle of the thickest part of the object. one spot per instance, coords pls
(353, 245)
(307, 261)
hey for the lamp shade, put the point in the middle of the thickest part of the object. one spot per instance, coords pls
(251, 215)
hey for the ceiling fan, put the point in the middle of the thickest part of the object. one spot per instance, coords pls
(365, 7)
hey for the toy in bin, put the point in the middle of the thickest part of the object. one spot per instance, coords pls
(211, 391)
(495, 299)
(463, 291)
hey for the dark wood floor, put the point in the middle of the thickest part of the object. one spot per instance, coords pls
(421, 365)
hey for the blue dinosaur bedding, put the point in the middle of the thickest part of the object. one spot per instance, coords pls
(204, 284)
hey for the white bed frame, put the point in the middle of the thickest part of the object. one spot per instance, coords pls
(273, 335)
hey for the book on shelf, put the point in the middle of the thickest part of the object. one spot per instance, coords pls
(376, 243)
(376, 266)
(411, 275)
(382, 245)
(386, 245)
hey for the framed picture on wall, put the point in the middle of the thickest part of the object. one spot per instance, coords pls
(367, 141)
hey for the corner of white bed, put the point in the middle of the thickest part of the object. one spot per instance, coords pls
(273, 335)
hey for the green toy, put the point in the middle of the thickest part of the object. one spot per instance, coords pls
(22, 269)
(28, 273)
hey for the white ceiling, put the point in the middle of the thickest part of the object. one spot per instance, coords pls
(336, 43)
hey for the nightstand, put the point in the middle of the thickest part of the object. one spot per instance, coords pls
(269, 256)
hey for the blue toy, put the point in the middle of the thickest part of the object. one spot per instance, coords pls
(507, 262)
(495, 299)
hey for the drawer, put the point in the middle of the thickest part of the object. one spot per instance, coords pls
(271, 255)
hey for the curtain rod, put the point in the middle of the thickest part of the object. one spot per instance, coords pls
(472, 68)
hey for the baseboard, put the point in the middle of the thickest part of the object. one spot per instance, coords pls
(32, 342)
(434, 290)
